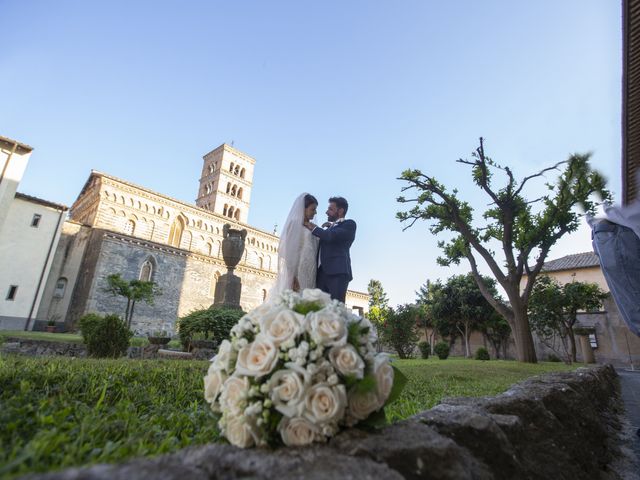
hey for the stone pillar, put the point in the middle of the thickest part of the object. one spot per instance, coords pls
(587, 351)
(229, 286)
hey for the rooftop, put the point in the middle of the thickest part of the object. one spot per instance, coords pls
(572, 262)
(40, 201)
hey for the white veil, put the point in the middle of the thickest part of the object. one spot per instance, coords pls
(290, 247)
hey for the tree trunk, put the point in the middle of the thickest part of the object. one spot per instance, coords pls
(466, 339)
(126, 313)
(133, 304)
(572, 342)
(525, 350)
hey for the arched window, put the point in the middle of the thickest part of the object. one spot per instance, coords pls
(129, 227)
(264, 295)
(242, 173)
(236, 171)
(231, 167)
(147, 270)
(231, 210)
(228, 187)
(234, 191)
(225, 210)
(240, 193)
(175, 234)
(237, 214)
(61, 286)
(218, 248)
(212, 168)
(209, 248)
(260, 262)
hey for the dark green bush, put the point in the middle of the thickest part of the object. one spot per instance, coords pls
(553, 358)
(441, 350)
(425, 349)
(482, 354)
(105, 336)
(213, 323)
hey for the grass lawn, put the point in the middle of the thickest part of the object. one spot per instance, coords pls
(71, 337)
(62, 412)
(51, 337)
(429, 381)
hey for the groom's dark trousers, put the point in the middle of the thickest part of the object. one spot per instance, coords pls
(334, 270)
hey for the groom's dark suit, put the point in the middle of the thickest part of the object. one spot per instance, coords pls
(334, 270)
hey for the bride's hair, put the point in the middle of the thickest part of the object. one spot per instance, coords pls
(309, 200)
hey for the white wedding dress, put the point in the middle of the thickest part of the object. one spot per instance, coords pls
(297, 252)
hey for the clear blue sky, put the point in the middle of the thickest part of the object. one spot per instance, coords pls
(331, 97)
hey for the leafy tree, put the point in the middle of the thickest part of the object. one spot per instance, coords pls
(459, 303)
(134, 291)
(497, 331)
(399, 329)
(424, 300)
(553, 310)
(378, 305)
(510, 223)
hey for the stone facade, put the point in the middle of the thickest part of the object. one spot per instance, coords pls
(118, 227)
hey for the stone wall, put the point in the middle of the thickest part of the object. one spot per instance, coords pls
(34, 348)
(561, 425)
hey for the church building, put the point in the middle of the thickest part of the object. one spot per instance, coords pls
(116, 227)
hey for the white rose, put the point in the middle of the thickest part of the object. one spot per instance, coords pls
(221, 360)
(282, 327)
(383, 371)
(325, 404)
(298, 431)
(263, 312)
(327, 328)
(213, 384)
(361, 405)
(258, 358)
(240, 431)
(316, 295)
(287, 389)
(234, 394)
(347, 361)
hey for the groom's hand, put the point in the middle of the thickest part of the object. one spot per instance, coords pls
(326, 224)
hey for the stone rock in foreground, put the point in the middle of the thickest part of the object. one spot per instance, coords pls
(560, 425)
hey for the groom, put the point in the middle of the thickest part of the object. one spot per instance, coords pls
(334, 266)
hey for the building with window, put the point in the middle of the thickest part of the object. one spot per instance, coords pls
(117, 227)
(30, 229)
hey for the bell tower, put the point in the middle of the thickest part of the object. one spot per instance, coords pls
(225, 183)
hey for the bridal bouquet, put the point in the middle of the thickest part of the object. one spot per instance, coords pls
(296, 370)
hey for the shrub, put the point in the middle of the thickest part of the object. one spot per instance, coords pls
(399, 330)
(482, 354)
(105, 336)
(553, 358)
(212, 323)
(425, 349)
(442, 350)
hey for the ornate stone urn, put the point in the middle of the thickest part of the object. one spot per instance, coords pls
(229, 285)
(232, 245)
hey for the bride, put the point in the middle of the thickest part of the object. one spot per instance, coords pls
(298, 250)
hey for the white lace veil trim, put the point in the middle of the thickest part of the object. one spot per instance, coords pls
(290, 247)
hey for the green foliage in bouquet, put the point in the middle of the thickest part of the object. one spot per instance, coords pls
(212, 323)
